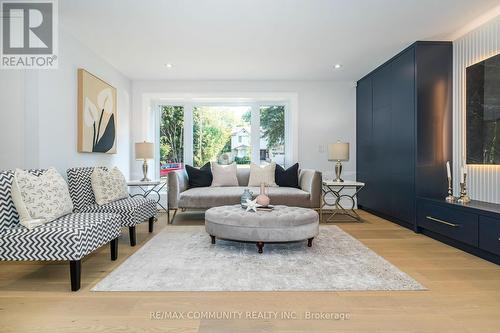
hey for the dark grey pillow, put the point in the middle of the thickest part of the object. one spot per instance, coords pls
(288, 177)
(201, 177)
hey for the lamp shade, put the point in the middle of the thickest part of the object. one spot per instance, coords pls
(338, 151)
(144, 150)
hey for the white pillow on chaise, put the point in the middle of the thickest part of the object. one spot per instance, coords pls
(224, 175)
(262, 174)
(40, 199)
(108, 185)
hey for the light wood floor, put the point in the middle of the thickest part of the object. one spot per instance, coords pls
(463, 295)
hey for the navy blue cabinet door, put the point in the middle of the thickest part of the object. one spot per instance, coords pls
(364, 154)
(402, 149)
(382, 159)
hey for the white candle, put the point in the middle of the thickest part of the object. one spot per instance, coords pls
(448, 171)
(462, 175)
(465, 168)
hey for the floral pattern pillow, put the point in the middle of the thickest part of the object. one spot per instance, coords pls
(41, 199)
(108, 186)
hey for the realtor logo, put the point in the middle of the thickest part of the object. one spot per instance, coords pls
(29, 34)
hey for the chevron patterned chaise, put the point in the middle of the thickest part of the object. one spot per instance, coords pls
(70, 237)
(131, 210)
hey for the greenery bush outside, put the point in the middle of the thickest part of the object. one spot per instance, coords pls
(172, 134)
(242, 160)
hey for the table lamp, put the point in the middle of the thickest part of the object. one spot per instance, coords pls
(144, 151)
(338, 152)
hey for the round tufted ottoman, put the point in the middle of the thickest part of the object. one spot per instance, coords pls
(282, 224)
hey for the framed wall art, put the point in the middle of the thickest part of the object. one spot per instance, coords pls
(96, 114)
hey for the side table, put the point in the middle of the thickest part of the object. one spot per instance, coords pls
(148, 187)
(335, 189)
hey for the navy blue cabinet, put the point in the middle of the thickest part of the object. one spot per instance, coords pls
(474, 227)
(403, 134)
(447, 221)
(489, 234)
(364, 142)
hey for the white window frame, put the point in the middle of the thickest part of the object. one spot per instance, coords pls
(291, 123)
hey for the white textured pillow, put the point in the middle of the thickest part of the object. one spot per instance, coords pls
(40, 199)
(262, 174)
(108, 186)
(224, 175)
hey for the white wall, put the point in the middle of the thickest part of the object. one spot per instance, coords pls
(11, 119)
(38, 113)
(481, 43)
(326, 112)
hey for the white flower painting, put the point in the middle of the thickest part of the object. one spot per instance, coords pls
(96, 115)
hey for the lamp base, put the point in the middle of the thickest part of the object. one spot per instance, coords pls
(338, 171)
(145, 172)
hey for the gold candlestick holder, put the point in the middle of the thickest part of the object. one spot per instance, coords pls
(464, 198)
(450, 197)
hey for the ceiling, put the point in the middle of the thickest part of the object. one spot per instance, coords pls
(259, 39)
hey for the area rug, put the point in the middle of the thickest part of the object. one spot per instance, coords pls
(181, 258)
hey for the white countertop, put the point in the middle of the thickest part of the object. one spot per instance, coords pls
(143, 183)
(344, 183)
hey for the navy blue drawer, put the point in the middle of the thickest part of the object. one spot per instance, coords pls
(489, 234)
(452, 223)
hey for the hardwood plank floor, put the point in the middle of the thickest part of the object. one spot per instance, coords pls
(463, 294)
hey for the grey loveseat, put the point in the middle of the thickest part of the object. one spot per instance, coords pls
(180, 196)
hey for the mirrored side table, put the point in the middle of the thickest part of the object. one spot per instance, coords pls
(334, 192)
(152, 187)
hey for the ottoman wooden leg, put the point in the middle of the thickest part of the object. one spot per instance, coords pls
(213, 239)
(260, 246)
(310, 242)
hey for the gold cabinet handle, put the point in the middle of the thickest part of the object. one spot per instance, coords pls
(441, 221)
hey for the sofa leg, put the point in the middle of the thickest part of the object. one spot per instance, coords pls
(213, 239)
(260, 246)
(173, 216)
(114, 248)
(75, 274)
(131, 232)
(168, 215)
(151, 221)
(310, 242)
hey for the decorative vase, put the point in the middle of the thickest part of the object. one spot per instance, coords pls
(247, 195)
(262, 198)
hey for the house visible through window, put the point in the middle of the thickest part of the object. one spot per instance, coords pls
(221, 134)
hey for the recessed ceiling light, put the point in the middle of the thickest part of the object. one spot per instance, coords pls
(168, 65)
(337, 66)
